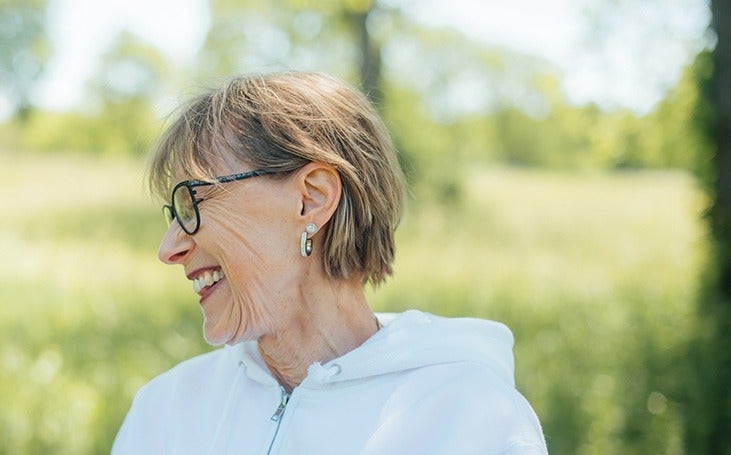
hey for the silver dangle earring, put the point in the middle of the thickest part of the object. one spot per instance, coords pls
(306, 243)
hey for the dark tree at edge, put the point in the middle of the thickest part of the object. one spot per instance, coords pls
(714, 435)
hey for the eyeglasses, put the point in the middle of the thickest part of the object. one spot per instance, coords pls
(184, 203)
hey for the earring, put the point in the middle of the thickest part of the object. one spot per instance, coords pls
(305, 243)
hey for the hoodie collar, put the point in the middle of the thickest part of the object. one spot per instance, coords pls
(409, 340)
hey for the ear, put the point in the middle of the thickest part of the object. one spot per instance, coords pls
(320, 191)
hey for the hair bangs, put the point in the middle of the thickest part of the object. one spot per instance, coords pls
(185, 150)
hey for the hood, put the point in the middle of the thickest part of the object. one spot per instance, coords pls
(409, 340)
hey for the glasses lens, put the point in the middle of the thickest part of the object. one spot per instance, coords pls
(184, 208)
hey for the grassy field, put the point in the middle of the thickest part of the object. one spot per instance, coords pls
(597, 275)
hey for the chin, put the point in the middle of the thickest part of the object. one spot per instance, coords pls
(213, 341)
(215, 338)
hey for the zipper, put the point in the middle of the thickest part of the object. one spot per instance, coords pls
(280, 409)
(277, 417)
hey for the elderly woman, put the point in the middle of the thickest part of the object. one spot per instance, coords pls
(285, 192)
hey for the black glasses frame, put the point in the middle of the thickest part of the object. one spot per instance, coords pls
(190, 185)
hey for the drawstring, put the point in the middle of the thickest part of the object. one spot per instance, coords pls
(321, 374)
(333, 370)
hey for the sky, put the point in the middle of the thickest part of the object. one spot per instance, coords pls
(628, 56)
(635, 54)
(81, 30)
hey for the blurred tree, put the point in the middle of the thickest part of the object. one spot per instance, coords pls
(674, 134)
(332, 36)
(130, 69)
(119, 116)
(708, 427)
(721, 97)
(24, 50)
(130, 79)
(369, 50)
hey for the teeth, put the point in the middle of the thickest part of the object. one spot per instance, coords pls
(206, 278)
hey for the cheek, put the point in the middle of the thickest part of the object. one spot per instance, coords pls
(259, 258)
(253, 242)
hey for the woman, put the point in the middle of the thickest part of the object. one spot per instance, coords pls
(285, 192)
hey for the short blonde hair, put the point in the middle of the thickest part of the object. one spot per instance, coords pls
(282, 121)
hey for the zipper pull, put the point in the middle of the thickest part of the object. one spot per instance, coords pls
(280, 409)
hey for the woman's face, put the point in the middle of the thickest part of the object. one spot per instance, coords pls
(244, 260)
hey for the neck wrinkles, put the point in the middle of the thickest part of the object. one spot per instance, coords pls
(320, 332)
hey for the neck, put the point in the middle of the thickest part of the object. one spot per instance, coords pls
(328, 323)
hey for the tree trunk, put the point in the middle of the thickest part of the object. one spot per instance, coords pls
(721, 98)
(711, 431)
(370, 55)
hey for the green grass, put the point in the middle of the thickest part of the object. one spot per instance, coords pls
(597, 275)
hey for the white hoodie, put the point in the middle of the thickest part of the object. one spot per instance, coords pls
(421, 385)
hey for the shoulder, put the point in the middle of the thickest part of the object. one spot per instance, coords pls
(472, 390)
(457, 374)
(420, 327)
(162, 400)
(193, 370)
(200, 376)
(475, 411)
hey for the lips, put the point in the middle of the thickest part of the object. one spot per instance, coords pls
(206, 279)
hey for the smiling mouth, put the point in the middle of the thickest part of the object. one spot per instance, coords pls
(207, 279)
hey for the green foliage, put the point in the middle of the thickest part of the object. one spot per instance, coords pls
(88, 314)
(449, 100)
(595, 273)
(124, 129)
(119, 118)
(280, 34)
(130, 70)
(597, 276)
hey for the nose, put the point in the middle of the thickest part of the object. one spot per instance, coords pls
(175, 246)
